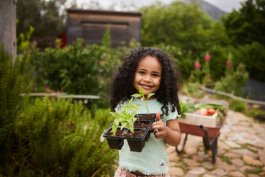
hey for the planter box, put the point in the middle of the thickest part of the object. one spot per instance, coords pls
(197, 119)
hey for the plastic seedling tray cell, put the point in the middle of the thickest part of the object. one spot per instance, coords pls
(115, 142)
(137, 143)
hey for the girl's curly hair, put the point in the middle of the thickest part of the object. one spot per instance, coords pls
(122, 84)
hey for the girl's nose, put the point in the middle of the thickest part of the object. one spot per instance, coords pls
(147, 78)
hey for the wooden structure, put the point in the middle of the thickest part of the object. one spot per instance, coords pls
(8, 26)
(92, 24)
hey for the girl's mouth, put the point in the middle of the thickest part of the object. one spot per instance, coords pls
(146, 87)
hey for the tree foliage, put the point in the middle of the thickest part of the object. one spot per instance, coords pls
(247, 25)
(245, 28)
(44, 16)
(253, 56)
(181, 25)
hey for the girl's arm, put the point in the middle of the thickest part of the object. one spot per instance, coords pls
(170, 132)
(173, 135)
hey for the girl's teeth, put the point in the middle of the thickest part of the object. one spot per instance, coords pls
(146, 87)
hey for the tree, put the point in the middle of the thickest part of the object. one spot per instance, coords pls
(179, 24)
(44, 16)
(247, 25)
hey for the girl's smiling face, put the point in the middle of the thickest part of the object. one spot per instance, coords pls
(148, 75)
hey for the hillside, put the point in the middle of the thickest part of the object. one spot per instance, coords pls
(208, 8)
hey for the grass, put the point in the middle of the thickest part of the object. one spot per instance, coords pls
(256, 170)
(225, 159)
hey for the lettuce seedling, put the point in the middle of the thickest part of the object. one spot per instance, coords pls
(143, 96)
(126, 117)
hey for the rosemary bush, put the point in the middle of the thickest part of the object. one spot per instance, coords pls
(59, 138)
(12, 77)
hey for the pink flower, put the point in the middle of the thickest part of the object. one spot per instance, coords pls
(229, 63)
(197, 65)
(207, 57)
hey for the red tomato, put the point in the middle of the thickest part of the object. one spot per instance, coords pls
(211, 111)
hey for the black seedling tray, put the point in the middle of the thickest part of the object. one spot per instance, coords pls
(135, 143)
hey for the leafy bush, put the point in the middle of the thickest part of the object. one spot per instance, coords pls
(58, 138)
(192, 89)
(12, 83)
(253, 56)
(220, 55)
(45, 137)
(78, 68)
(233, 82)
(256, 112)
(238, 106)
(182, 60)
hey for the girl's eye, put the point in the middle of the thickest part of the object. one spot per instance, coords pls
(141, 72)
(155, 75)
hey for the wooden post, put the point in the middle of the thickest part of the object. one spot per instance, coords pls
(8, 26)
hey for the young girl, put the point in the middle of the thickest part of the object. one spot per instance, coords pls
(151, 70)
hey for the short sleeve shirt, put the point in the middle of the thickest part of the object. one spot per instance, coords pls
(153, 159)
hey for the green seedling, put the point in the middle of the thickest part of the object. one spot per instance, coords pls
(125, 118)
(143, 96)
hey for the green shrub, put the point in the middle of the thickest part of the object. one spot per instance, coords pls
(182, 60)
(12, 83)
(237, 106)
(192, 89)
(220, 55)
(252, 56)
(78, 68)
(233, 82)
(256, 112)
(59, 138)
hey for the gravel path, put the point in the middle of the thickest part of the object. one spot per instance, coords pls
(241, 152)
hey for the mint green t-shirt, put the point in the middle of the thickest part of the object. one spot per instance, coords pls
(153, 159)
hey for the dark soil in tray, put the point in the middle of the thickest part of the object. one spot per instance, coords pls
(146, 117)
(127, 133)
(142, 124)
(137, 138)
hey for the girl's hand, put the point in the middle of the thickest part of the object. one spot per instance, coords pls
(160, 128)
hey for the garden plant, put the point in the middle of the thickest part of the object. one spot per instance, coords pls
(136, 128)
